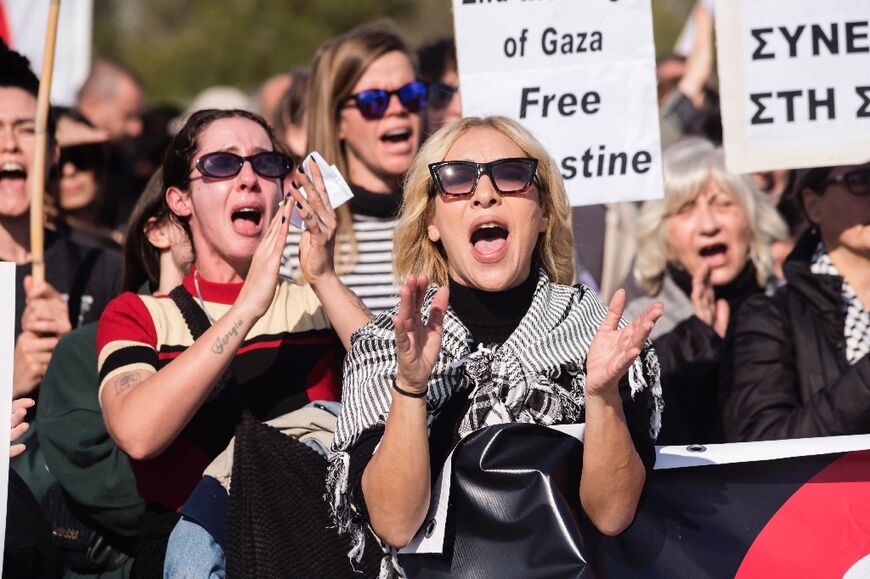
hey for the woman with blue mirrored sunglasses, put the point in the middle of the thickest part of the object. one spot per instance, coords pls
(364, 116)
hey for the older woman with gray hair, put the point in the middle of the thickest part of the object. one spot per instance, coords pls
(702, 250)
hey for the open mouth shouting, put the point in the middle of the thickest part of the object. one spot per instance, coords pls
(13, 178)
(399, 140)
(247, 220)
(714, 254)
(489, 240)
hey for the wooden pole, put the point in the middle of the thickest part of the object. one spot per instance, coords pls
(40, 149)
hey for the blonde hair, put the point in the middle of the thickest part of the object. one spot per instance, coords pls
(336, 68)
(414, 252)
(689, 166)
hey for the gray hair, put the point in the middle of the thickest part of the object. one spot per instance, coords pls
(688, 167)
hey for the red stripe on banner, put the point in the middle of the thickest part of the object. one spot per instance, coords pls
(5, 33)
(822, 531)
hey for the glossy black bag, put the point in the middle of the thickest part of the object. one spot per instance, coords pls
(514, 508)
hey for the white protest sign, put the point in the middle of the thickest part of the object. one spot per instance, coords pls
(795, 82)
(7, 352)
(580, 75)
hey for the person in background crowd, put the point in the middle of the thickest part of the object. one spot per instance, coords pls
(290, 117)
(688, 104)
(438, 69)
(267, 98)
(213, 97)
(177, 372)
(111, 98)
(364, 108)
(80, 279)
(28, 550)
(147, 153)
(797, 364)
(486, 215)
(84, 200)
(95, 486)
(702, 251)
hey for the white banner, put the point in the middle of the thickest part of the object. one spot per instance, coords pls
(7, 353)
(27, 21)
(580, 76)
(795, 82)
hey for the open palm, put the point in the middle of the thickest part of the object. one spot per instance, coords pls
(418, 344)
(613, 350)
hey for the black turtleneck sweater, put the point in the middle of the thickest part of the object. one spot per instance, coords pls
(491, 317)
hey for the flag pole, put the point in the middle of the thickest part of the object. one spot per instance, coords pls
(40, 149)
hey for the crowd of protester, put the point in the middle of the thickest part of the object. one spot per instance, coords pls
(181, 310)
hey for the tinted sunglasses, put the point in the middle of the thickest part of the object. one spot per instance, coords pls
(373, 103)
(223, 164)
(441, 94)
(460, 178)
(82, 157)
(857, 182)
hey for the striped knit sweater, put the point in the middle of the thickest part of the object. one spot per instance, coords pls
(288, 358)
(371, 277)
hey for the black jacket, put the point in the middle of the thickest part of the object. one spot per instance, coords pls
(785, 372)
(689, 356)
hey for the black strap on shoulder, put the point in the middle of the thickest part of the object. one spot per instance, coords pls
(197, 322)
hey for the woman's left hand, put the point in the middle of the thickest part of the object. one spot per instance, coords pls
(19, 427)
(317, 244)
(613, 350)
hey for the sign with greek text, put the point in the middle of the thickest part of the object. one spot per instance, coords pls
(580, 75)
(795, 82)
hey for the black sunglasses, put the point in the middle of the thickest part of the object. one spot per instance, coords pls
(460, 178)
(857, 182)
(373, 103)
(223, 164)
(82, 157)
(440, 94)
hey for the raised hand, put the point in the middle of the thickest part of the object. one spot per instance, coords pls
(317, 244)
(19, 427)
(709, 310)
(45, 311)
(418, 344)
(262, 278)
(613, 350)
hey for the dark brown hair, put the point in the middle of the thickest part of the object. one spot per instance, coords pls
(141, 259)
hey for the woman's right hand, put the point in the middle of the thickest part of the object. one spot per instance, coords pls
(262, 279)
(708, 309)
(19, 427)
(418, 344)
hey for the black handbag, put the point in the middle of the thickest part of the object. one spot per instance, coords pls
(514, 508)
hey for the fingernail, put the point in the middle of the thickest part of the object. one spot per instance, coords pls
(294, 183)
(283, 219)
(298, 205)
(300, 169)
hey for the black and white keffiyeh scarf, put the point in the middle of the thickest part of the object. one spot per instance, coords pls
(856, 328)
(536, 376)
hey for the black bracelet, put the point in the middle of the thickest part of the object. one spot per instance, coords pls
(410, 394)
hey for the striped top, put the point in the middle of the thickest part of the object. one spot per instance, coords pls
(371, 277)
(287, 359)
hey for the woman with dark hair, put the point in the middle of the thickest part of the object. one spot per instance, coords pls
(157, 244)
(177, 371)
(438, 69)
(364, 106)
(84, 199)
(290, 118)
(797, 363)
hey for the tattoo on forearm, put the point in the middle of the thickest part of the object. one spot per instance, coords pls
(127, 381)
(220, 343)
